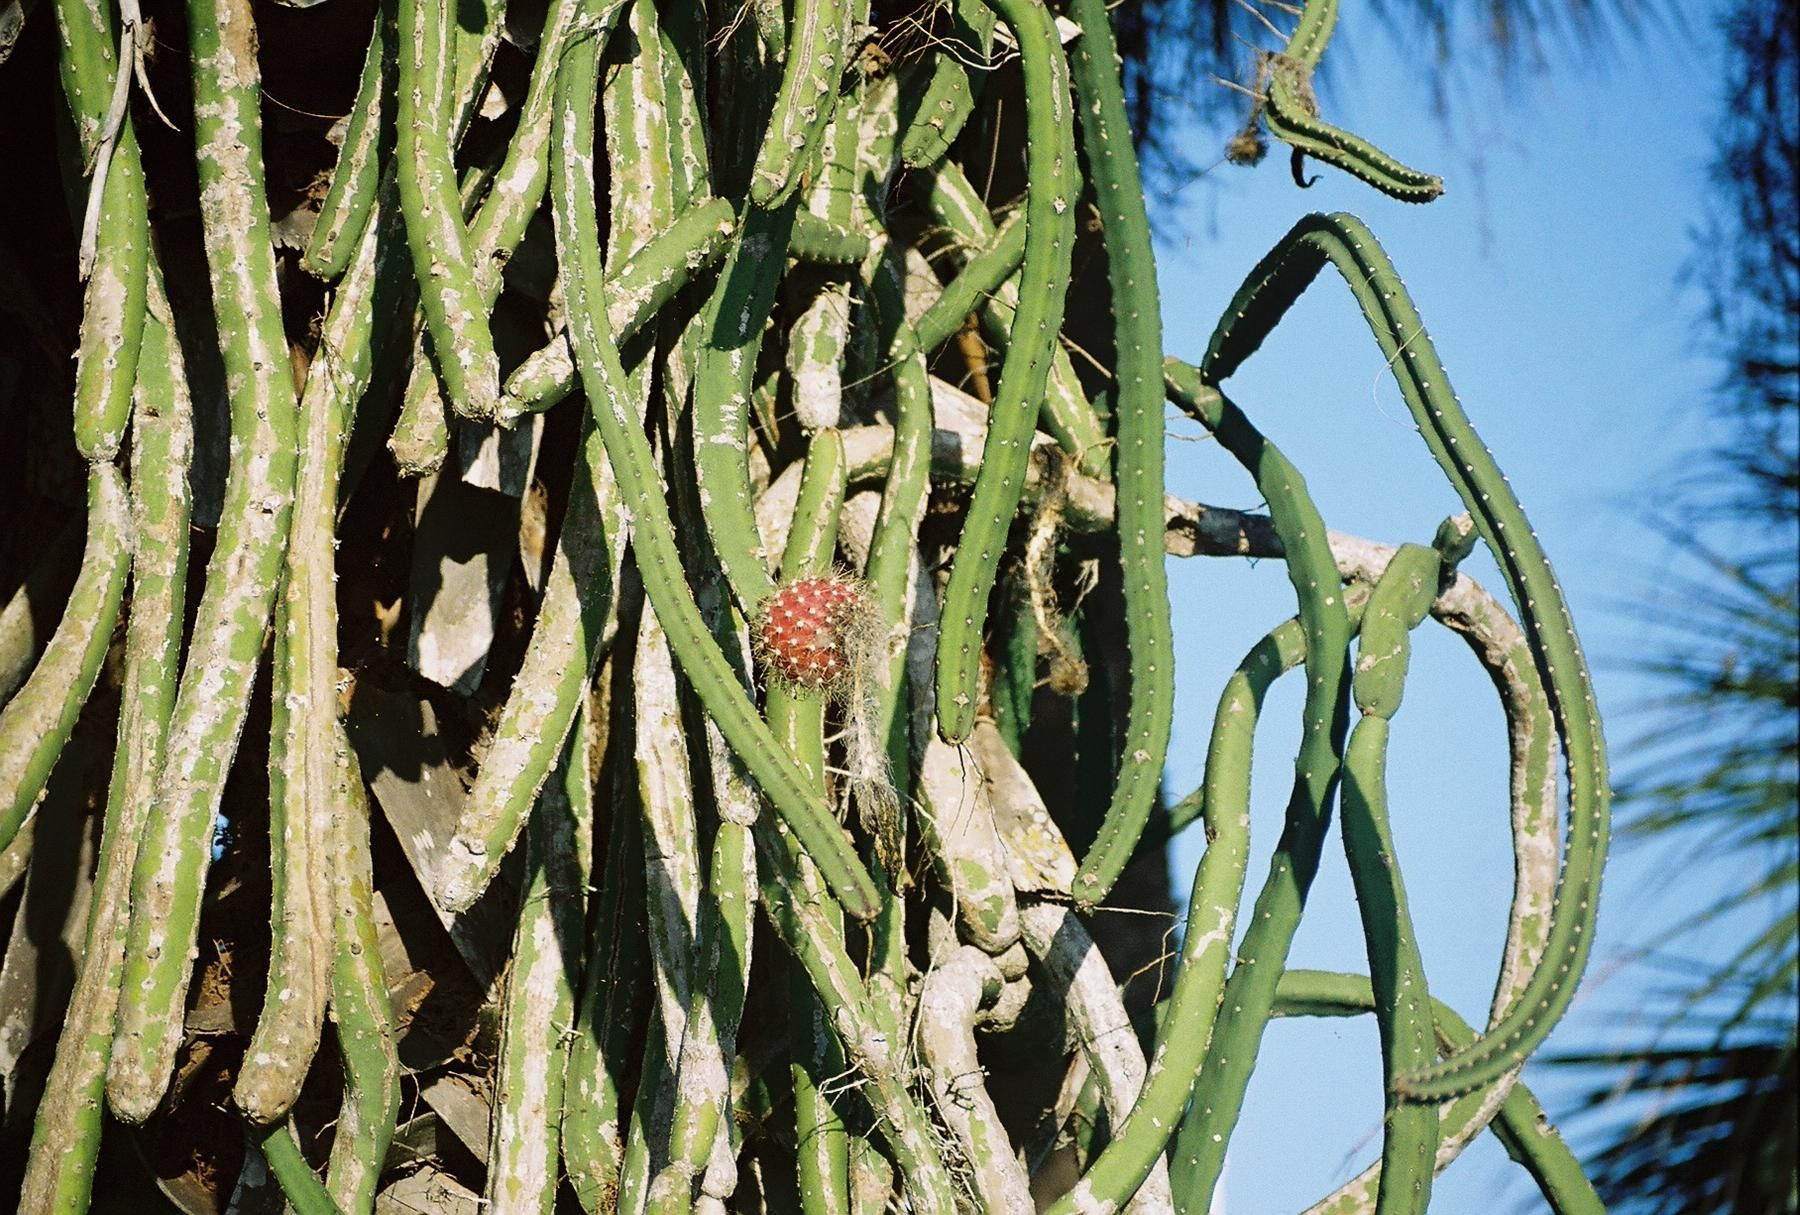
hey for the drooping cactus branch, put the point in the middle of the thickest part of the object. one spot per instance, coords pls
(825, 621)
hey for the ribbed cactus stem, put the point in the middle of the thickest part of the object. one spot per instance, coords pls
(245, 567)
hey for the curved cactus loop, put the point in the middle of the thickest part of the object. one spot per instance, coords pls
(654, 549)
(1346, 244)
(1138, 408)
(1044, 280)
(1200, 1143)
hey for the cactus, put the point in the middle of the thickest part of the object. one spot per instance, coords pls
(745, 876)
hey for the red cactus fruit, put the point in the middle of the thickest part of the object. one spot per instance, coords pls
(811, 631)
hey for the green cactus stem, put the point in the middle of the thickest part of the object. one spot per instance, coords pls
(116, 233)
(818, 52)
(1400, 601)
(243, 573)
(1138, 408)
(36, 723)
(539, 1003)
(442, 253)
(1044, 278)
(1200, 1144)
(654, 548)
(949, 96)
(1522, 1127)
(1346, 244)
(65, 1139)
(360, 1008)
(368, 144)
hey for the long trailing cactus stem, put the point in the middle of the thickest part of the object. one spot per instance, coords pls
(849, 345)
(805, 927)
(949, 97)
(65, 1139)
(306, 742)
(1200, 1144)
(541, 710)
(732, 335)
(1138, 407)
(1049, 243)
(655, 550)
(242, 574)
(1346, 244)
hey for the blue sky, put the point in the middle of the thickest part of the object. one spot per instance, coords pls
(1548, 275)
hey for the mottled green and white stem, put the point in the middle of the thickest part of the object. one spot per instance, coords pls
(804, 920)
(360, 1009)
(956, 820)
(635, 292)
(654, 547)
(421, 437)
(65, 1139)
(36, 723)
(442, 252)
(539, 1005)
(672, 872)
(951, 998)
(305, 778)
(1091, 1001)
(116, 233)
(243, 573)
(600, 1056)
